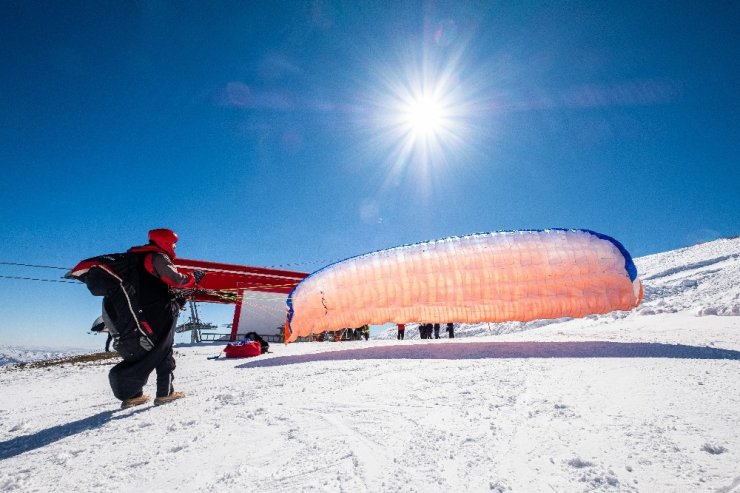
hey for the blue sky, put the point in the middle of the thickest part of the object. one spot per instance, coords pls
(288, 133)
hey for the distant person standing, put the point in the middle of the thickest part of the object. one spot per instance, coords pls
(366, 331)
(99, 326)
(436, 331)
(401, 331)
(451, 330)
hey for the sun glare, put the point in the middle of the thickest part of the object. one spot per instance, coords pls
(424, 120)
(424, 116)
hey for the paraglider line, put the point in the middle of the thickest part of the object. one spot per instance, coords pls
(37, 279)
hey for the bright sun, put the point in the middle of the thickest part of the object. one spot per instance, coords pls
(424, 116)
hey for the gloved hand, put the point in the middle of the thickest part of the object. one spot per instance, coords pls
(199, 275)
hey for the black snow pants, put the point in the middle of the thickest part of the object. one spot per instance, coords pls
(127, 378)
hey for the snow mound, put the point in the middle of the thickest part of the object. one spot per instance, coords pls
(701, 279)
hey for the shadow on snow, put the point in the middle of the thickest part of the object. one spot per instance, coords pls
(500, 350)
(19, 445)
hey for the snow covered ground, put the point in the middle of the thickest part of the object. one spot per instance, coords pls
(641, 401)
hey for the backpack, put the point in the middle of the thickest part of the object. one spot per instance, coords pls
(265, 346)
(115, 277)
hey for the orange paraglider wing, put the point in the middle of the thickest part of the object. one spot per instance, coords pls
(492, 277)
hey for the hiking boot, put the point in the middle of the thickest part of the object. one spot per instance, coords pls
(134, 401)
(168, 398)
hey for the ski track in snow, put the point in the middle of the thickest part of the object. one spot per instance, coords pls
(639, 401)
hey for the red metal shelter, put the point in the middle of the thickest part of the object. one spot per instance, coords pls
(226, 283)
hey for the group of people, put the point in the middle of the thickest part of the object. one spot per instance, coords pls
(350, 334)
(426, 330)
(347, 334)
(361, 332)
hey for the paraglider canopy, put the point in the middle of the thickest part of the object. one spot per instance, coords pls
(490, 277)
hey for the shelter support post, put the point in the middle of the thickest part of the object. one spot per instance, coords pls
(237, 315)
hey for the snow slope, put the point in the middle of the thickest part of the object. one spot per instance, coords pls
(640, 401)
(13, 354)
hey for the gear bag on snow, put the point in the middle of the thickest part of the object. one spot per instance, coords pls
(253, 336)
(243, 349)
(115, 277)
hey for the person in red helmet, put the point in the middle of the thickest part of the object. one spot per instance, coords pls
(156, 276)
(164, 239)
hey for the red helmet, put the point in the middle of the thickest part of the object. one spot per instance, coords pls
(164, 239)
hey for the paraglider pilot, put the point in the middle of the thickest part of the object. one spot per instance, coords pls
(156, 275)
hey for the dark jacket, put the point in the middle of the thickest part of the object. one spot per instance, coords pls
(141, 314)
(157, 274)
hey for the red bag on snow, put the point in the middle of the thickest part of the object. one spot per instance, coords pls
(245, 350)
